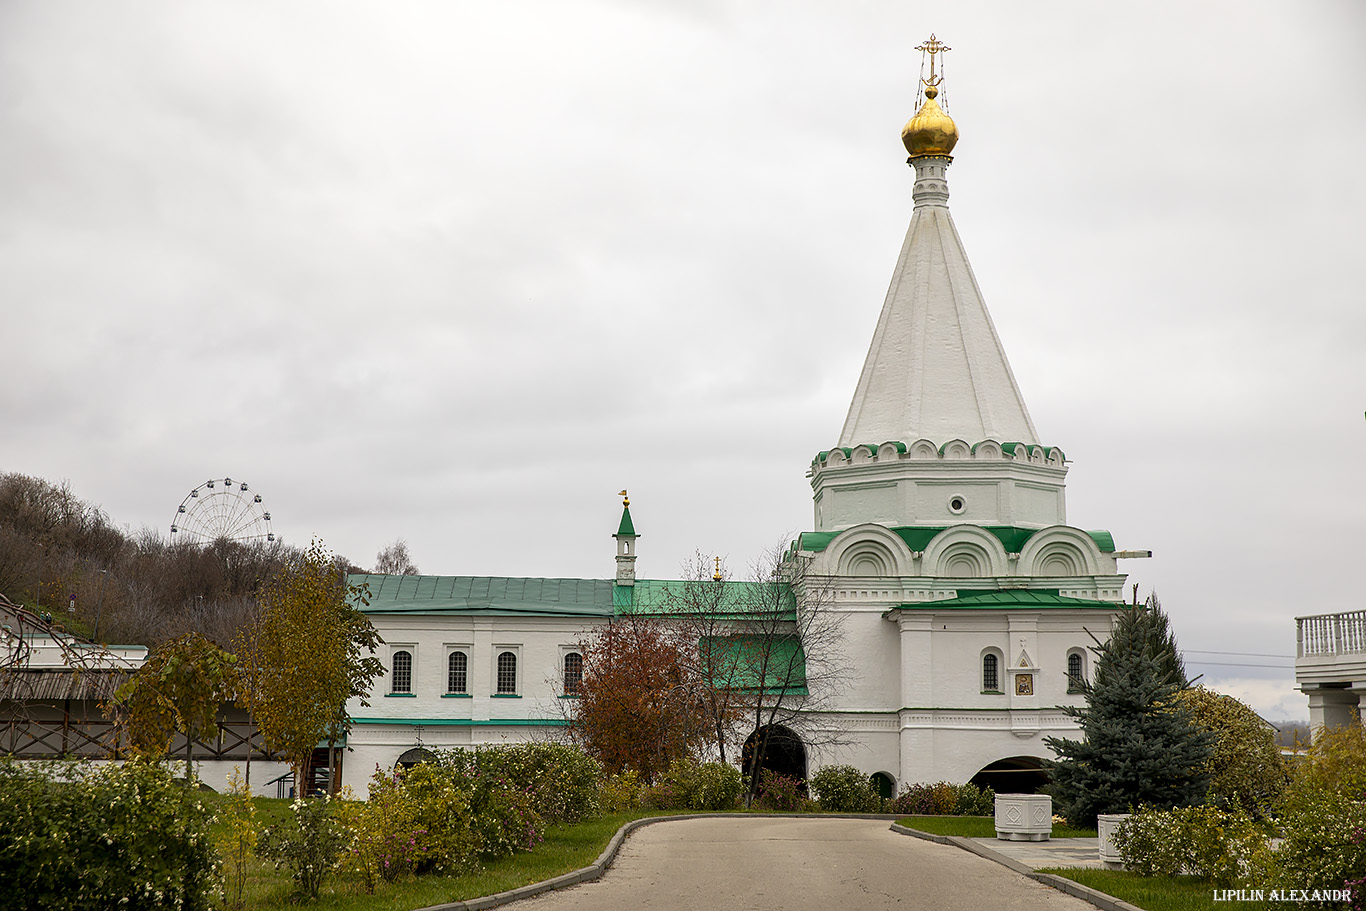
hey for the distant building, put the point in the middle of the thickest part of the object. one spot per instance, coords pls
(1330, 667)
(940, 536)
(53, 686)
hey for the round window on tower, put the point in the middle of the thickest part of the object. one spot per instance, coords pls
(957, 504)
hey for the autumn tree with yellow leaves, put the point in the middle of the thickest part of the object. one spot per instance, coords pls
(308, 651)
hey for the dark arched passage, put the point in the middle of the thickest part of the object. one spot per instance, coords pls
(783, 751)
(1014, 775)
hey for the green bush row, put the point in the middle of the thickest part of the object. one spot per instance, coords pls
(685, 785)
(1314, 836)
(563, 780)
(127, 836)
(944, 799)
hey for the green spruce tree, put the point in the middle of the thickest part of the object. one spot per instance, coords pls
(1142, 747)
(1163, 644)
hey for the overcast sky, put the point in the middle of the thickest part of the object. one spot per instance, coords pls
(458, 272)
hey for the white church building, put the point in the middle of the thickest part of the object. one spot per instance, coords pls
(940, 537)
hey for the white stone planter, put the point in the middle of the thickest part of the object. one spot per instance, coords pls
(1106, 826)
(1024, 817)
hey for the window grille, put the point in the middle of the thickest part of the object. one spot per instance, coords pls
(457, 673)
(573, 673)
(507, 673)
(403, 673)
(991, 681)
(1074, 673)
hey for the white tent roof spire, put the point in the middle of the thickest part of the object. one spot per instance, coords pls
(936, 369)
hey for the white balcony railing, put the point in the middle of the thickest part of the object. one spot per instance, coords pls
(1331, 634)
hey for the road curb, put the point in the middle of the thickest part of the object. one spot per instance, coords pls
(1100, 899)
(609, 854)
(1086, 893)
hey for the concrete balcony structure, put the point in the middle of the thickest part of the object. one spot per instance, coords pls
(1330, 666)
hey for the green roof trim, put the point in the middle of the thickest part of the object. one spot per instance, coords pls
(626, 527)
(731, 598)
(1011, 599)
(1104, 540)
(498, 596)
(815, 541)
(917, 537)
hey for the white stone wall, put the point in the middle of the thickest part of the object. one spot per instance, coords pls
(978, 484)
(431, 717)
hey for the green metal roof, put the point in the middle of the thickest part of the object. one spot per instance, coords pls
(674, 596)
(1032, 599)
(1103, 540)
(740, 661)
(486, 595)
(626, 528)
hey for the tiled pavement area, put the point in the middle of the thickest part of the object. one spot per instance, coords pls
(1056, 852)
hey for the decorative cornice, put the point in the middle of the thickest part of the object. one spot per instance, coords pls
(928, 451)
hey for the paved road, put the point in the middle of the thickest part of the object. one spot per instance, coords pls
(749, 864)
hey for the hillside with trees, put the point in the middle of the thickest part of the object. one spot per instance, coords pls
(64, 556)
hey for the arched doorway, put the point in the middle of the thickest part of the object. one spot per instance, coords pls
(884, 784)
(1014, 775)
(783, 751)
(414, 756)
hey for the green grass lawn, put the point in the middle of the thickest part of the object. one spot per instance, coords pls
(566, 848)
(977, 827)
(1153, 893)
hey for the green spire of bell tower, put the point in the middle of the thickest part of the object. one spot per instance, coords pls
(626, 544)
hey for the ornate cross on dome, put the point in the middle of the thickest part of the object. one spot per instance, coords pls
(932, 47)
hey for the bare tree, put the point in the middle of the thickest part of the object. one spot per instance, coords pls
(395, 560)
(770, 653)
(702, 606)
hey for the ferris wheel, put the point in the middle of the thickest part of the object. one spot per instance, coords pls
(221, 508)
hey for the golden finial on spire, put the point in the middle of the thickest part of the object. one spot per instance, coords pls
(716, 577)
(931, 132)
(626, 501)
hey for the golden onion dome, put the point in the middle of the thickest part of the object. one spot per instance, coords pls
(930, 131)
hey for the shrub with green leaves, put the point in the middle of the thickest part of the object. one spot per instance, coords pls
(620, 792)
(122, 835)
(237, 841)
(719, 786)
(943, 799)
(387, 837)
(685, 785)
(1245, 770)
(1323, 818)
(844, 789)
(308, 843)
(1221, 846)
(971, 800)
(443, 828)
(781, 793)
(562, 779)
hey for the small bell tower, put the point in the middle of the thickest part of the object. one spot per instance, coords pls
(626, 544)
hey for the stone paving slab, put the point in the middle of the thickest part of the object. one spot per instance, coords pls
(1056, 852)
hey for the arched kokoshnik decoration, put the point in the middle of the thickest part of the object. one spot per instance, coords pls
(1013, 775)
(784, 752)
